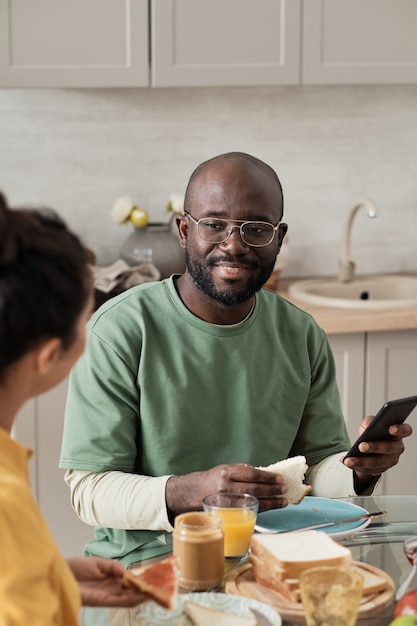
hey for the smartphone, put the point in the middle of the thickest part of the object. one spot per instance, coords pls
(392, 412)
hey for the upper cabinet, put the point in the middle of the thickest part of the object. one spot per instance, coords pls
(359, 42)
(82, 43)
(225, 42)
(192, 43)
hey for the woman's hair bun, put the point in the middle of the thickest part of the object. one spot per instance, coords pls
(25, 230)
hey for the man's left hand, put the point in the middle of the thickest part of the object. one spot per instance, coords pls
(378, 456)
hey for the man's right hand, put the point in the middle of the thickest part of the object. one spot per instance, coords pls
(186, 493)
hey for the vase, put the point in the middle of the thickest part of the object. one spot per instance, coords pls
(155, 243)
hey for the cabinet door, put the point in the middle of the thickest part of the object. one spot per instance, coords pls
(392, 373)
(54, 498)
(360, 41)
(74, 44)
(225, 42)
(348, 351)
(39, 426)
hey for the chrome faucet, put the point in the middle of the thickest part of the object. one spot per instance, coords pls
(346, 263)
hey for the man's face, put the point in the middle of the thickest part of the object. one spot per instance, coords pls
(233, 271)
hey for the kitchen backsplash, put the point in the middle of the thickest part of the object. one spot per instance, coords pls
(79, 150)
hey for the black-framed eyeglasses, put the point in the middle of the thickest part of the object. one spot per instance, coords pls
(218, 230)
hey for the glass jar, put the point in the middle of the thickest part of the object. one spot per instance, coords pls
(198, 544)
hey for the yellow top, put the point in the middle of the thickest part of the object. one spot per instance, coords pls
(36, 584)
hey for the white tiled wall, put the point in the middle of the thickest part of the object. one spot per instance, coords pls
(78, 150)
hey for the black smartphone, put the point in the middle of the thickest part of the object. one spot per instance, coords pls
(392, 412)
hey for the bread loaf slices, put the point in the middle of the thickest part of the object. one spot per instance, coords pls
(201, 615)
(293, 471)
(273, 578)
(278, 558)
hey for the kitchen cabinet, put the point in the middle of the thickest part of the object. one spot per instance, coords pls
(225, 42)
(371, 369)
(74, 44)
(349, 356)
(391, 372)
(359, 42)
(191, 43)
(279, 42)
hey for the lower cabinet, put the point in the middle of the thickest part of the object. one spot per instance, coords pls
(39, 426)
(371, 369)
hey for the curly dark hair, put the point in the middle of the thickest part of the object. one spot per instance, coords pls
(45, 280)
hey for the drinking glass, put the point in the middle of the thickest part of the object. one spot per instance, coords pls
(238, 512)
(410, 549)
(410, 583)
(331, 595)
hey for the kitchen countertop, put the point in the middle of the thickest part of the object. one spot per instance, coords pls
(334, 320)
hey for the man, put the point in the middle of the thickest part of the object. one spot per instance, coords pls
(189, 383)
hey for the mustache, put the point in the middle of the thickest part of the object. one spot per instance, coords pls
(231, 259)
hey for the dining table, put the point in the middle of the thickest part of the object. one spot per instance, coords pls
(380, 545)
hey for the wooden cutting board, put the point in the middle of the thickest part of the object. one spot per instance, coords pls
(241, 581)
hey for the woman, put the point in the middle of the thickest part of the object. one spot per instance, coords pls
(45, 302)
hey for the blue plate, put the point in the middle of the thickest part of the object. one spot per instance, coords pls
(312, 510)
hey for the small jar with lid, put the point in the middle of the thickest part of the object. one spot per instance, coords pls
(198, 543)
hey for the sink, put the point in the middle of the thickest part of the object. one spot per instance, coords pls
(363, 292)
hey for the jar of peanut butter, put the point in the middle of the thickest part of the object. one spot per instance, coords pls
(198, 544)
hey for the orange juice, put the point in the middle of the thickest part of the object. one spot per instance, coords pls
(238, 525)
(238, 512)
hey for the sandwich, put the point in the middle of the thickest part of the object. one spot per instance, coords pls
(159, 581)
(293, 471)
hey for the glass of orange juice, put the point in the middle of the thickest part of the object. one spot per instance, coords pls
(238, 512)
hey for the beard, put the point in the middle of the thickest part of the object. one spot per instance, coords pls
(202, 277)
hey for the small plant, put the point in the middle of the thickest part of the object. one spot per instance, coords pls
(125, 211)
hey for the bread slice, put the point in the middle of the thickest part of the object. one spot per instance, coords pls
(272, 578)
(286, 555)
(293, 471)
(159, 581)
(372, 583)
(202, 615)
